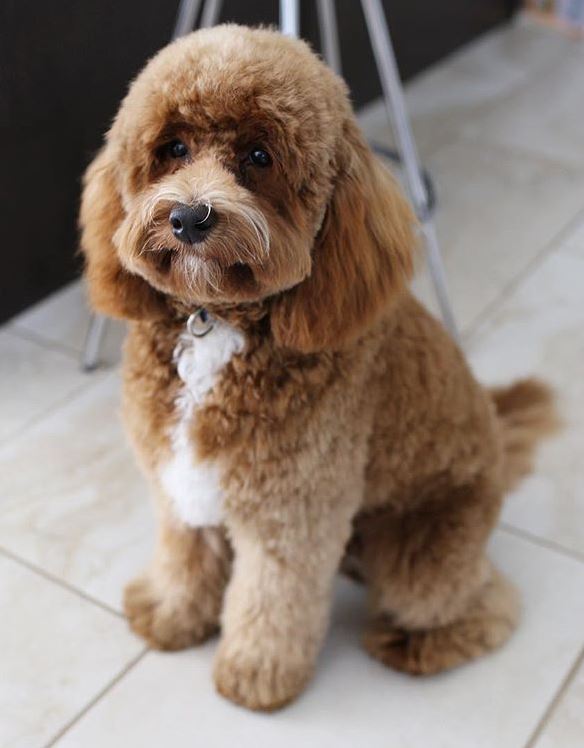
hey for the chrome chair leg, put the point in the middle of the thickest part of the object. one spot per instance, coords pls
(211, 13)
(93, 341)
(398, 118)
(185, 19)
(290, 17)
(329, 34)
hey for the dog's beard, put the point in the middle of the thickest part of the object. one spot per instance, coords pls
(222, 267)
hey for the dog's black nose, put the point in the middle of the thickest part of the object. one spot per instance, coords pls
(192, 224)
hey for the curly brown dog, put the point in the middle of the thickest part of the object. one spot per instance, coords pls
(293, 406)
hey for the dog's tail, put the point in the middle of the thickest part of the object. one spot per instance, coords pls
(527, 412)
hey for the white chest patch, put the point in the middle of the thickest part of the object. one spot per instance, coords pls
(194, 486)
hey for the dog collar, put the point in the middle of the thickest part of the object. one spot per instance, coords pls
(200, 323)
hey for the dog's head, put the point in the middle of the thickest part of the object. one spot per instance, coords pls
(235, 172)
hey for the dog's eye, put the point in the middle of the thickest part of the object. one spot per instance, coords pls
(259, 157)
(177, 149)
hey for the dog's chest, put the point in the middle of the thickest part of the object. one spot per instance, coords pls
(193, 485)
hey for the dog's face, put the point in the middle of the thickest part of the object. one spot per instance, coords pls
(232, 158)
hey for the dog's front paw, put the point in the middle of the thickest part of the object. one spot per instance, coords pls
(169, 619)
(259, 681)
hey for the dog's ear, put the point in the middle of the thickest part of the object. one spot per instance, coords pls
(113, 290)
(362, 258)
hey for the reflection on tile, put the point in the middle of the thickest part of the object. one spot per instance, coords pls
(57, 652)
(63, 319)
(539, 330)
(353, 699)
(32, 380)
(566, 726)
(72, 500)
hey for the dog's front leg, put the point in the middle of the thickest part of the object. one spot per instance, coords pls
(276, 607)
(177, 602)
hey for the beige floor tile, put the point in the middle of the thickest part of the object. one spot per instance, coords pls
(57, 652)
(462, 89)
(545, 117)
(32, 380)
(497, 210)
(539, 330)
(72, 500)
(573, 243)
(566, 726)
(63, 319)
(169, 699)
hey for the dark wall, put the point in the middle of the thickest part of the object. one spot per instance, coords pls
(65, 64)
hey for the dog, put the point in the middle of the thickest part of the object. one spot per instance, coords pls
(295, 409)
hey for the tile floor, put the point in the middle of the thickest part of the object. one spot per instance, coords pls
(500, 127)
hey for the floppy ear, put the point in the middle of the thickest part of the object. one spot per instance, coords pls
(362, 258)
(113, 290)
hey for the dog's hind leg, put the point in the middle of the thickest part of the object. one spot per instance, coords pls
(177, 602)
(486, 623)
(436, 599)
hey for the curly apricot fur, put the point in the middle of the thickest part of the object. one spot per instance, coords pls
(350, 428)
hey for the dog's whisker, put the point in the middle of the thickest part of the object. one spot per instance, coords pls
(255, 220)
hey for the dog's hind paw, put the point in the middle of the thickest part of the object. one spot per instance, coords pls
(487, 624)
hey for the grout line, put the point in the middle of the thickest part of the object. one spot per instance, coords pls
(99, 695)
(473, 328)
(16, 330)
(42, 341)
(71, 351)
(93, 380)
(60, 582)
(544, 158)
(472, 331)
(551, 545)
(556, 699)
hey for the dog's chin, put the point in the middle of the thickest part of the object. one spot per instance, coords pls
(194, 278)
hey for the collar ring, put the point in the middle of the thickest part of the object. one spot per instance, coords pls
(200, 323)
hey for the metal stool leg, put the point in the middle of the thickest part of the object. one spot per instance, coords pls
(290, 17)
(211, 13)
(93, 341)
(329, 34)
(188, 12)
(396, 112)
(185, 19)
